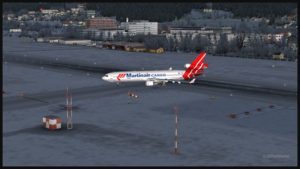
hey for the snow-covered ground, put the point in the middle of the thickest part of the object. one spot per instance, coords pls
(109, 131)
(255, 72)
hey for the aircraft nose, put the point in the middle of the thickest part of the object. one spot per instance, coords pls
(103, 78)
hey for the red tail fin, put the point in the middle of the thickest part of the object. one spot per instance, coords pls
(196, 65)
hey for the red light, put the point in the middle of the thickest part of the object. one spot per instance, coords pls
(41, 9)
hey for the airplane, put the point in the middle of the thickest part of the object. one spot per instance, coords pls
(152, 78)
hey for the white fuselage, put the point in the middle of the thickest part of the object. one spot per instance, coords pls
(136, 76)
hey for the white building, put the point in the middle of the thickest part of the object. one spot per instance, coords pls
(31, 12)
(278, 37)
(212, 33)
(188, 30)
(140, 27)
(49, 11)
(41, 40)
(200, 30)
(10, 17)
(23, 17)
(90, 13)
(75, 42)
(15, 30)
(75, 11)
(97, 33)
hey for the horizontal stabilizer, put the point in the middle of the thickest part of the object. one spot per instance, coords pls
(192, 81)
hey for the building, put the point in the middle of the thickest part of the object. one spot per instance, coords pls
(256, 19)
(81, 23)
(31, 12)
(200, 30)
(90, 13)
(207, 10)
(75, 42)
(140, 27)
(10, 17)
(49, 11)
(212, 33)
(49, 39)
(292, 17)
(277, 37)
(159, 50)
(100, 34)
(67, 23)
(104, 23)
(75, 11)
(41, 40)
(23, 17)
(54, 39)
(15, 30)
(81, 6)
(52, 122)
(252, 37)
(129, 47)
(278, 56)
(189, 30)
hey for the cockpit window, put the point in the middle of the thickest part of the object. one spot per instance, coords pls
(106, 75)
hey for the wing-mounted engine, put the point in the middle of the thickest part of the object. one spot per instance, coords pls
(156, 82)
(149, 83)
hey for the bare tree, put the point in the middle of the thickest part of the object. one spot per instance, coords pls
(171, 44)
(109, 36)
(200, 43)
(233, 46)
(241, 35)
(118, 36)
(139, 38)
(45, 32)
(151, 42)
(263, 26)
(240, 39)
(185, 43)
(22, 11)
(223, 45)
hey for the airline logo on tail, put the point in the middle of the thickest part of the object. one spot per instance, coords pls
(195, 69)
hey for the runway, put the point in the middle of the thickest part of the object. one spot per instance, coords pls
(103, 70)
